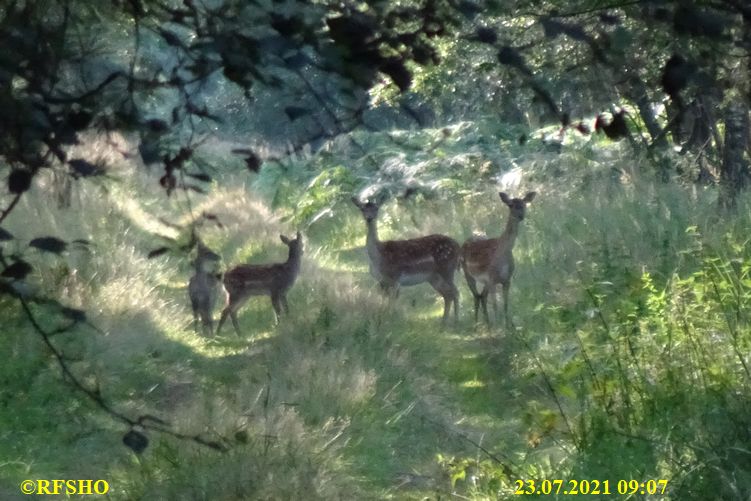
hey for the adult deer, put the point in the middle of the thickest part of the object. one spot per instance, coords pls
(204, 287)
(490, 261)
(272, 280)
(394, 263)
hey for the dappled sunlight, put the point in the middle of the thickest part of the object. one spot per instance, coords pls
(351, 378)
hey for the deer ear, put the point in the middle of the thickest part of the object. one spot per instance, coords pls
(284, 239)
(505, 198)
(529, 196)
(299, 236)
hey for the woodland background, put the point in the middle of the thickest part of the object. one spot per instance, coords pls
(128, 127)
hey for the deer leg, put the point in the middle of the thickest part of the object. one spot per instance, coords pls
(235, 322)
(455, 294)
(473, 289)
(285, 304)
(494, 298)
(449, 293)
(222, 319)
(209, 323)
(195, 320)
(276, 303)
(484, 303)
(477, 306)
(505, 288)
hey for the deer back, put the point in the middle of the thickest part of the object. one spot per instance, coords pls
(490, 257)
(418, 256)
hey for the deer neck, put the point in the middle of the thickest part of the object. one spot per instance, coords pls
(371, 242)
(373, 246)
(293, 259)
(508, 238)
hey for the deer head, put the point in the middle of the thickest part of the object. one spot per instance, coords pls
(517, 206)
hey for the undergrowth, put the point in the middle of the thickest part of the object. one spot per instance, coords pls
(629, 360)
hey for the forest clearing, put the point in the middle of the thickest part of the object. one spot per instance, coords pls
(385, 250)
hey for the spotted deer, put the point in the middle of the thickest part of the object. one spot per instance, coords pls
(273, 280)
(205, 287)
(490, 262)
(393, 263)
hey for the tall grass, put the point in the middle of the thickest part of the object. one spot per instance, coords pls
(628, 360)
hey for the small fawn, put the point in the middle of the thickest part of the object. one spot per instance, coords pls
(491, 262)
(432, 259)
(204, 287)
(272, 280)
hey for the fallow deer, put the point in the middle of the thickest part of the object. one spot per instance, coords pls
(204, 287)
(490, 261)
(432, 259)
(272, 280)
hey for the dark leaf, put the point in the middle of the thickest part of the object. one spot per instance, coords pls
(469, 9)
(295, 112)
(523, 139)
(149, 151)
(170, 38)
(157, 126)
(168, 182)
(5, 235)
(297, 61)
(355, 32)
(79, 120)
(616, 129)
(136, 441)
(64, 135)
(19, 181)
(49, 244)
(610, 19)
(241, 436)
(398, 72)
(157, 252)
(424, 54)
(287, 26)
(81, 241)
(698, 23)
(675, 75)
(511, 57)
(662, 14)
(18, 270)
(486, 35)
(73, 314)
(83, 168)
(551, 28)
(200, 176)
(253, 163)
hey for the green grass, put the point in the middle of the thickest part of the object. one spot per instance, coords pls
(629, 298)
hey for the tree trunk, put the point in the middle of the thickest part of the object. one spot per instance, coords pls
(637, 92)
(734, 170)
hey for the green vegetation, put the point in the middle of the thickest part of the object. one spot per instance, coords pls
(628, 361)
(138, 135)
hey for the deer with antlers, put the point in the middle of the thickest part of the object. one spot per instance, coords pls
(490, 262)
(205, 287)
(394, 263)
(273, 280)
